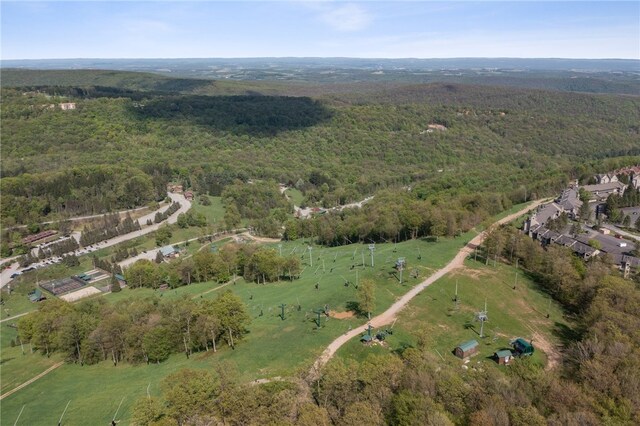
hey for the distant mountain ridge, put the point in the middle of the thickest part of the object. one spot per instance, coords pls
(548, 64)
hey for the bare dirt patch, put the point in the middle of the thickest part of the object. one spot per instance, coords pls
(552, 352)
(476, 274)
(341, 315)
(76, 295)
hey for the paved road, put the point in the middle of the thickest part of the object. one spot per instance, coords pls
(185, 205)
(151, 254)
(389, 315)
(620, 231)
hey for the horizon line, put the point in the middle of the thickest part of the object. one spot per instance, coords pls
(324, 57)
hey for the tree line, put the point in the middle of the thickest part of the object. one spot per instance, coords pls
(110, 227)
(133, 330)
(75, 191)
(252, 262)
(398, 216)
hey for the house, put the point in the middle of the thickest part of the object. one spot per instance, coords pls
(601, 191)
(169, 252)
(174, 187)
(541, 216)
(65, 106)
(466, 349)
(606, 178)
(521, 347)
(503, 357)
(188, 195)
(569, 202)
(39, 236)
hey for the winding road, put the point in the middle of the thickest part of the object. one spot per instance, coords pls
(388, 316)
(185, 205)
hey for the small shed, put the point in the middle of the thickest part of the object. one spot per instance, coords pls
(521, 347)
(169, 251)
(366, 338)
(466, 349)
(120, 278)
(36, 296)
(503, 357)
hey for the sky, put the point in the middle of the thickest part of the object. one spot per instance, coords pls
(363, 29)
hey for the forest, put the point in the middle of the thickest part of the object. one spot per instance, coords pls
(128, 140)
(439, 160)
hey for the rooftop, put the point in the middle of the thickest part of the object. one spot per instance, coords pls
(468, 345)
(604, 187)
(167, 250)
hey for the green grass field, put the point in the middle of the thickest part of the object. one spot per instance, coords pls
(214, 212)
(272, 348)
(295, 196)
(276, 347)
(512, 313)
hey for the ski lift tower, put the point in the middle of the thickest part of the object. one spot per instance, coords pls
(482, 317)
(318, 312)
(372, 248)
(400, 264)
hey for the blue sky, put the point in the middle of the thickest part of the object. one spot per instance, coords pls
(382, 29)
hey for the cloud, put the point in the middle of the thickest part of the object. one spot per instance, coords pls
(342, 17)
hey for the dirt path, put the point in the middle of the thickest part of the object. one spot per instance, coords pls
(550, 350)
(215, 288)
(390, 314)
(15, 316)
(261, 239)
(33, 379)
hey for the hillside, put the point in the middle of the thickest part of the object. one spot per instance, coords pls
(572, 75)
(360, 138)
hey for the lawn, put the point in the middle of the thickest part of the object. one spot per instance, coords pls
(213, 212)
(512, 313)
(295, 196)
(274, 347)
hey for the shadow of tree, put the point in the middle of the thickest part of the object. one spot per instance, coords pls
(566, 334)
(251, 114)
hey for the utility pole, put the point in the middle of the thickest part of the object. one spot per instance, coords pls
(455, 298)
(310, 256)
(401, 263)
(482, 317)
(282, 306)
(372, 247)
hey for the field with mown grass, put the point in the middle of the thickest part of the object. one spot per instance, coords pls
(433, 317)
(273, 347)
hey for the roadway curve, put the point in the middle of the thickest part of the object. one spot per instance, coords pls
(388, 316)
(185, 205)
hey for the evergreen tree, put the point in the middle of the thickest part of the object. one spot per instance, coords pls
(115, 284)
